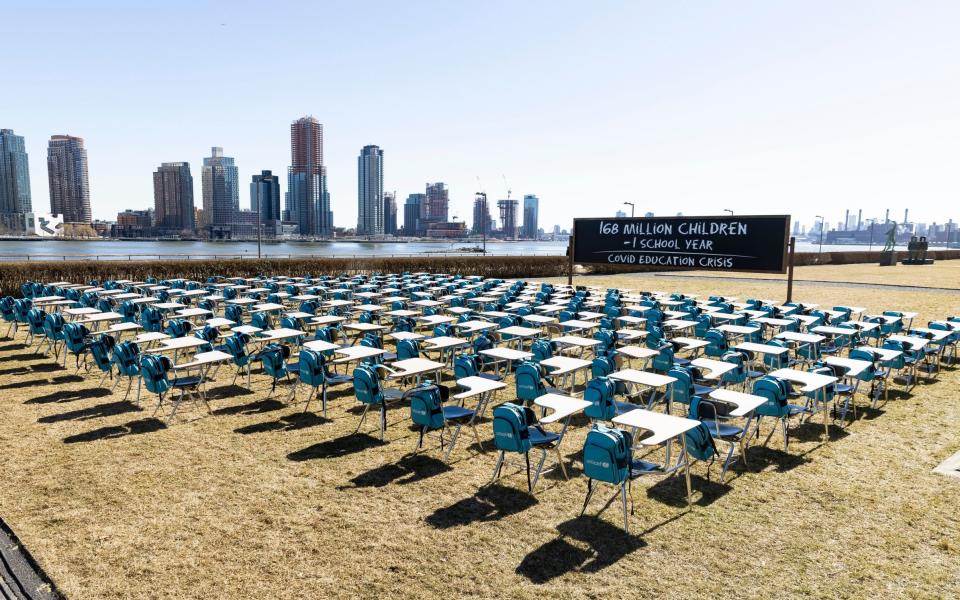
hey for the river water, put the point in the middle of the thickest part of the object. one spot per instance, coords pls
(131, 249)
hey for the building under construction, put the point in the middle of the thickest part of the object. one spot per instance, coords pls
(508, 218)
(481, 216)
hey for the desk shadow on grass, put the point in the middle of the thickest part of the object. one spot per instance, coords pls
(292, 422)
(43, 381)
(94, 412)
(117, 431)
(490, 503)
(338, 447)
(586, 544)
(28, 369)
(812, 431)
(70, 395)
(409, 469)
(251, 408)
(672, 490)
(761, 457)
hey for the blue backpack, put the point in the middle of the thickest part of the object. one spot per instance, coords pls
(542, 350)
(607, 338)
(511, 427)
(465, 365)
(178, 327)
(607, 454)
(426, 406)
(529, 379)
(599, 393)
(602, 366)
(366, 385)
(408, 349)
(700, 443)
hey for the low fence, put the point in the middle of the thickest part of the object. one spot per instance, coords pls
(14, 274)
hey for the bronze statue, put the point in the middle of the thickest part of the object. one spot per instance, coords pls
(891, 237)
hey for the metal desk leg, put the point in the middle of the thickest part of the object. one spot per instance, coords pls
(686, 469)
(826, 415)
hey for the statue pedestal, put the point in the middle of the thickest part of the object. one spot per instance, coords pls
(888, 259)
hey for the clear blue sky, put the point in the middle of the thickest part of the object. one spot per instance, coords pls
(758, 106)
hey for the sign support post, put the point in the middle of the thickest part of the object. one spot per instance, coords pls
(570, 259)
(793, 248)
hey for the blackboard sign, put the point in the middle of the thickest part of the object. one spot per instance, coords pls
(728, 243)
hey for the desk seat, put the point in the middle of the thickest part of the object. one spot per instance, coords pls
(641, 467)
(457, 412)
(541, 437)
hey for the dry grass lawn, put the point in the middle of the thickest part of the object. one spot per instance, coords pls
(262, 501)
(945, 274)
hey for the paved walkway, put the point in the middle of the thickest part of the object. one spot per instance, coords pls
(20, 578)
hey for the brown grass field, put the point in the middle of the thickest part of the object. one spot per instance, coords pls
(261, 501)
(945, 274)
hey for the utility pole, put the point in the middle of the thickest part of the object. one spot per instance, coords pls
(820, 251)
(259, 226)
(630, 204)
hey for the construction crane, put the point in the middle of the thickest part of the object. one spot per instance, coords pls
(506, 185)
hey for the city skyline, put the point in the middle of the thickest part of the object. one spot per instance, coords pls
(67, 161)
(663, 105)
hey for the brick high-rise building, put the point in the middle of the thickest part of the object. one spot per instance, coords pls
(69, 179)
(436, 207)
(173, 197)
(308, 201)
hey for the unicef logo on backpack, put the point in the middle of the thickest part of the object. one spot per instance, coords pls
(504, 434)
(599, 463)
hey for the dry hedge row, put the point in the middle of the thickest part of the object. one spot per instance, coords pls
(13, 274)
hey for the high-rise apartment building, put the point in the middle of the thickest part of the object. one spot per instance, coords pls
(370, 219)
(436, 207)
(390, 213)
(531, 213)
(173, 197)
(308, 201)
(14, 181)
(265, 196)
(221, 193)
(69, 179)
(412, 211)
